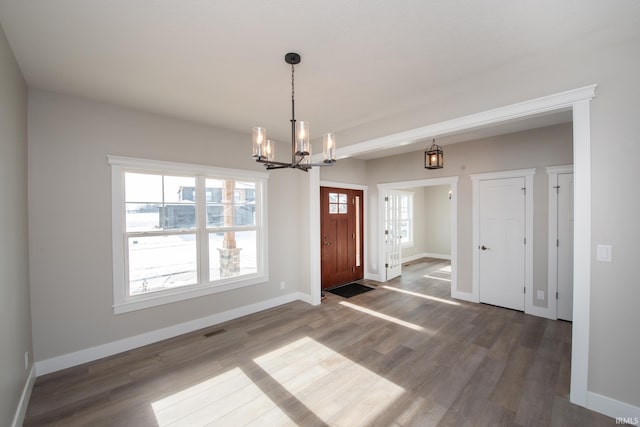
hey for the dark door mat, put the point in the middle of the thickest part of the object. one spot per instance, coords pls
(349, 290)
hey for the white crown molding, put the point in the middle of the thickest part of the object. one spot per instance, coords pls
(557, 101)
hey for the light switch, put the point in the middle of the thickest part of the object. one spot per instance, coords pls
(603, 253)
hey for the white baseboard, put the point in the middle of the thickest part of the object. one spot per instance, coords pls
(305, 298)
(425, 255)
(541, 312)
(434, 255)
(613, 408)
(58, 363)
(21, 410)
(464, 296)
(372, 276)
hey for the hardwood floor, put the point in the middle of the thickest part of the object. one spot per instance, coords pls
(404, 354)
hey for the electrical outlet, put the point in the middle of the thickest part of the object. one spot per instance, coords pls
(26, 360)
(604, 253)
(540, 295)
(281, 285)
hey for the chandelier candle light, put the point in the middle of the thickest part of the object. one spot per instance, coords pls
(264, 149)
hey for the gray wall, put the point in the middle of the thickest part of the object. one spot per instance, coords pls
(431, 221)
(15, 317)
(349, 171)
(71, 261)
(436, 214)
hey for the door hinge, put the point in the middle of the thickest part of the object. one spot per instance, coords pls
(524, 289)
(557, 243)
(354, 236)
(386, 232)
(524, 189)
(525, 240)
(386, 199)
(556, 294)
(386, 266)
(557, 187)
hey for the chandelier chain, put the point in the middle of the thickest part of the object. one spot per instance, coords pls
(292, 82)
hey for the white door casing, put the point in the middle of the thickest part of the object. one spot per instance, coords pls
(561, 238)
(565, 246)
(502, 242)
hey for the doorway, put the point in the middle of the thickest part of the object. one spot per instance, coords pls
(383, 256)
(579, 102)
(561, 224)
(341, 236)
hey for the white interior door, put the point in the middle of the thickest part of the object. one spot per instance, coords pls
(502, 242)
(565, 246)
(393, 235)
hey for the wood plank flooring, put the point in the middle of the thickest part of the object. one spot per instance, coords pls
(404, 354)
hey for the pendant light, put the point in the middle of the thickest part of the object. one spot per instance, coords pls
(433, 157)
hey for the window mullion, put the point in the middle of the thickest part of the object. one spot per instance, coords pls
(202, 240)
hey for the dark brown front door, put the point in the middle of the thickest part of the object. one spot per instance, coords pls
(341, 236)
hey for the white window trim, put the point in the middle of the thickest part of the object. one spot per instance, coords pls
(123, 303)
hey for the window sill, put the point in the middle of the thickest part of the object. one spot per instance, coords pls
(181, 294)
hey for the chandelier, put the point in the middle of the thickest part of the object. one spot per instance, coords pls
(264, 149)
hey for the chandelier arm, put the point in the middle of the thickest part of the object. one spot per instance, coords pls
(268, 163)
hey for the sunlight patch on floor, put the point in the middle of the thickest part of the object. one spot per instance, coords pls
(416, 294)
(212, 401)
(303, 381)
(446, 269)
(437, 278)
(383, 316)
(337, 390)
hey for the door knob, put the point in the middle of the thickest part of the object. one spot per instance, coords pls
(483, 247)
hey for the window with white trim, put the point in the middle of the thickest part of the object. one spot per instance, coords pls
(406, 218)
(181, 231)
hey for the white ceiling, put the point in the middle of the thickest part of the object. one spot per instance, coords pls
(221, 62)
